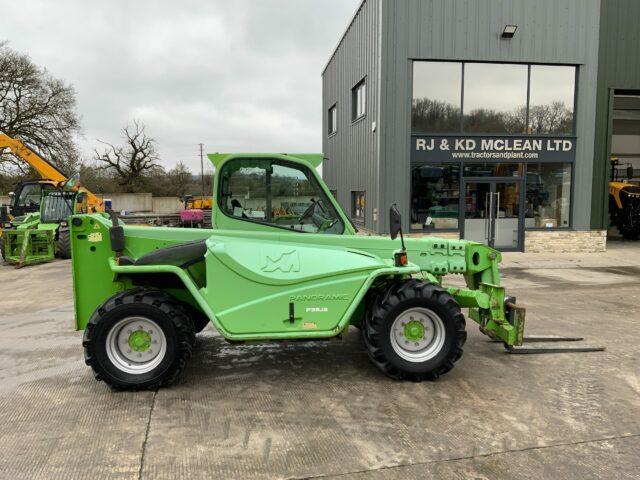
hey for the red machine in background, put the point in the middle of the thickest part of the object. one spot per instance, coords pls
(196, 212)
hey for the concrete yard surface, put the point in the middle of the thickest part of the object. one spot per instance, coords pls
(321, 409)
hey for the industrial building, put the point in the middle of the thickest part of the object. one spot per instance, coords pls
(488, 120)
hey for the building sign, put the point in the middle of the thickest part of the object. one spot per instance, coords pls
(451, 148)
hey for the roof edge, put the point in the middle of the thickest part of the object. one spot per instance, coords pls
(344, 34)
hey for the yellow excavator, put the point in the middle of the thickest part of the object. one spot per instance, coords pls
(624, 201)
(34, 224)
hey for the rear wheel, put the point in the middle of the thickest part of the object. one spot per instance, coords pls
(2, 242)
(414, 331)
(628, 229)
(138, 339)
(63, 243)
(627, 219)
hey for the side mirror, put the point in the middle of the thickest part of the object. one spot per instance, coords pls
(630, 172)
(395, 222)
(116, 234)
(395, 228)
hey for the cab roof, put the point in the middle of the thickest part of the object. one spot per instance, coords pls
(314, 159)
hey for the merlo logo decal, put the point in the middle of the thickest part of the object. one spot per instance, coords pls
(286, 262)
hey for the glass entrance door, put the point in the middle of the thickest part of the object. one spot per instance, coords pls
(506, 218)
(492, 213)
(478, 197)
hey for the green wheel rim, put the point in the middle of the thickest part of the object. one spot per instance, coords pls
(140, 341)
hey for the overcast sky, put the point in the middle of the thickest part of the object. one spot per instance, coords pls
(241, 75)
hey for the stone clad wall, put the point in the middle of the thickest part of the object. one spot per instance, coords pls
(565, 241)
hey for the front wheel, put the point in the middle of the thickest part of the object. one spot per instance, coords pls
(414, 331)
(138, 339)
(63, 243)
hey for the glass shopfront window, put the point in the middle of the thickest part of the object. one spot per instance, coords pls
(495, 98)
(492, 149)
(435, 196)
(548, 195)
(358, 203)
(551, 99)
(437, 95)
(493, 169)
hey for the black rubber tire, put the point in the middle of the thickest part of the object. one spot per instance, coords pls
(199, 319)
(153, 304)
(628, 232)
(63, 243)
(2, 242)
(386, 307)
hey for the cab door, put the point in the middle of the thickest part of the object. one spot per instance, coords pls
(270, 194)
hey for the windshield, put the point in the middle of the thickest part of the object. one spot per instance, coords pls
(57, 206)
(29, 195)
(277, 193)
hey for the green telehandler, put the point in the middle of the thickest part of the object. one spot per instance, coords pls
(282, 263)
(35, 232)
(43, 235)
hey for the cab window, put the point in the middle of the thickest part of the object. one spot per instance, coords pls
(29, 196)
(277, 193)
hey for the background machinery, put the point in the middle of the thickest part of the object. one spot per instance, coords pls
(34, 225)
(624, 200)
(196, 212)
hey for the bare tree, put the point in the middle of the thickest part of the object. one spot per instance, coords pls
(132, 161)
(38, 108)
(554, 117)
(180, 179)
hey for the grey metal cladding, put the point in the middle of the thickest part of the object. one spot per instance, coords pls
(549, 31)
(352, 152)
(619, 68)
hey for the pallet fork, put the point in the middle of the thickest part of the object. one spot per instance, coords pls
(29, 246)
(515, 311)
